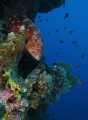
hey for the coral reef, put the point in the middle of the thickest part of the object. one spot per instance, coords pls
(28, 96)
(27, 84)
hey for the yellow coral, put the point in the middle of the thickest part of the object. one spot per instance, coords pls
(11, 50)
(17, 85)
(7, 73)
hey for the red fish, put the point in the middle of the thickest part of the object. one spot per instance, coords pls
(34, 44)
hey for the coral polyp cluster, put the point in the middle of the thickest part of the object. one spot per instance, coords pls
(27, 85)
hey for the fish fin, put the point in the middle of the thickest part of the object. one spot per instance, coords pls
(7, 11)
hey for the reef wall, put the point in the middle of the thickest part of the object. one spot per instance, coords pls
(27, 84)
(31, 7)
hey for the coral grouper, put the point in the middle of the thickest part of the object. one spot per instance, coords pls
(34, 43)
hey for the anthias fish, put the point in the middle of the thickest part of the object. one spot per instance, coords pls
(66, 15)
(65, 28)
(57, 53)
(61, 41)
(56, 30)
(46, 20)
(80, 80)
(82, 55)
(71, 31)
(75, 43)
(78, 65)
(34, 43)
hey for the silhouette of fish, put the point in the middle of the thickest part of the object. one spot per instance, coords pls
(48, 33)
(46, 20)
(74, 43)
(57, 53)
(56, 30)
(61, 41)
(65, 28)
(40, 20)
(66, 15)
(78, 65)
(71, 31)
(39, 16)
(82, 56)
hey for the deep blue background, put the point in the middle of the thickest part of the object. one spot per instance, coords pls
(73, 105)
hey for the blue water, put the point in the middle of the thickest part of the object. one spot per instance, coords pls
(73, 105)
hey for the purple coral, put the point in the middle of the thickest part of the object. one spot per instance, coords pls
(6, 94)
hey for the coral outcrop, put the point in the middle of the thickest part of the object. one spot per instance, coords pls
(27, 84)
(28, 96)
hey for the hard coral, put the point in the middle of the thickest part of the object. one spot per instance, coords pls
(44, 78)
(11, 50)
(42, 84)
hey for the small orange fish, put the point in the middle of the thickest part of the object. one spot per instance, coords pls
(80, 80)
(71, 32)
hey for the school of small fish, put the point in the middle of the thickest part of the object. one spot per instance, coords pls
(73, 42)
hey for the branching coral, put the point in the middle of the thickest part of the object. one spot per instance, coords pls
(67, 66)
(72, 80)
(63, 81)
